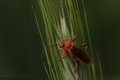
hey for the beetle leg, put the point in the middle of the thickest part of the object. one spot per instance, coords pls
(64, 52)
(74, 38)
(66, 39)
(59, 49)
(76, 66)
(83, 45)
(62, 58)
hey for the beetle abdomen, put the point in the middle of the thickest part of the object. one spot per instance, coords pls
(80, 54)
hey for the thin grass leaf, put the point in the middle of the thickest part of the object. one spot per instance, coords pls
(100, 68)
(47, 72)
(41, 37)
(64, 70)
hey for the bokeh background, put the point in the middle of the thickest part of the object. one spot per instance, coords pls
(21, 47)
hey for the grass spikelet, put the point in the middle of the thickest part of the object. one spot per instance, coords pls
(66, 24)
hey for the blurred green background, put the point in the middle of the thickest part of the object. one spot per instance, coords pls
(21, 47)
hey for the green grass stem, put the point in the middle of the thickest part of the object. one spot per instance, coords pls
(64, 70)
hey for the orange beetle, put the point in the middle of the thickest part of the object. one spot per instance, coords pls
(77, 51)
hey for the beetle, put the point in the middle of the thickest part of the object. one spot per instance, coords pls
(68, 46)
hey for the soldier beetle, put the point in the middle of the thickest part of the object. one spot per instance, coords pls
(78, 52)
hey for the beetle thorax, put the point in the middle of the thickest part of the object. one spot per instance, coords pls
(67, 44)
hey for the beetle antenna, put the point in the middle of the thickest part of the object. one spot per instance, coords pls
(56, 34)
(47, 48)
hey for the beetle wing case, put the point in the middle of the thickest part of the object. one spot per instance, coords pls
(80, 54)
